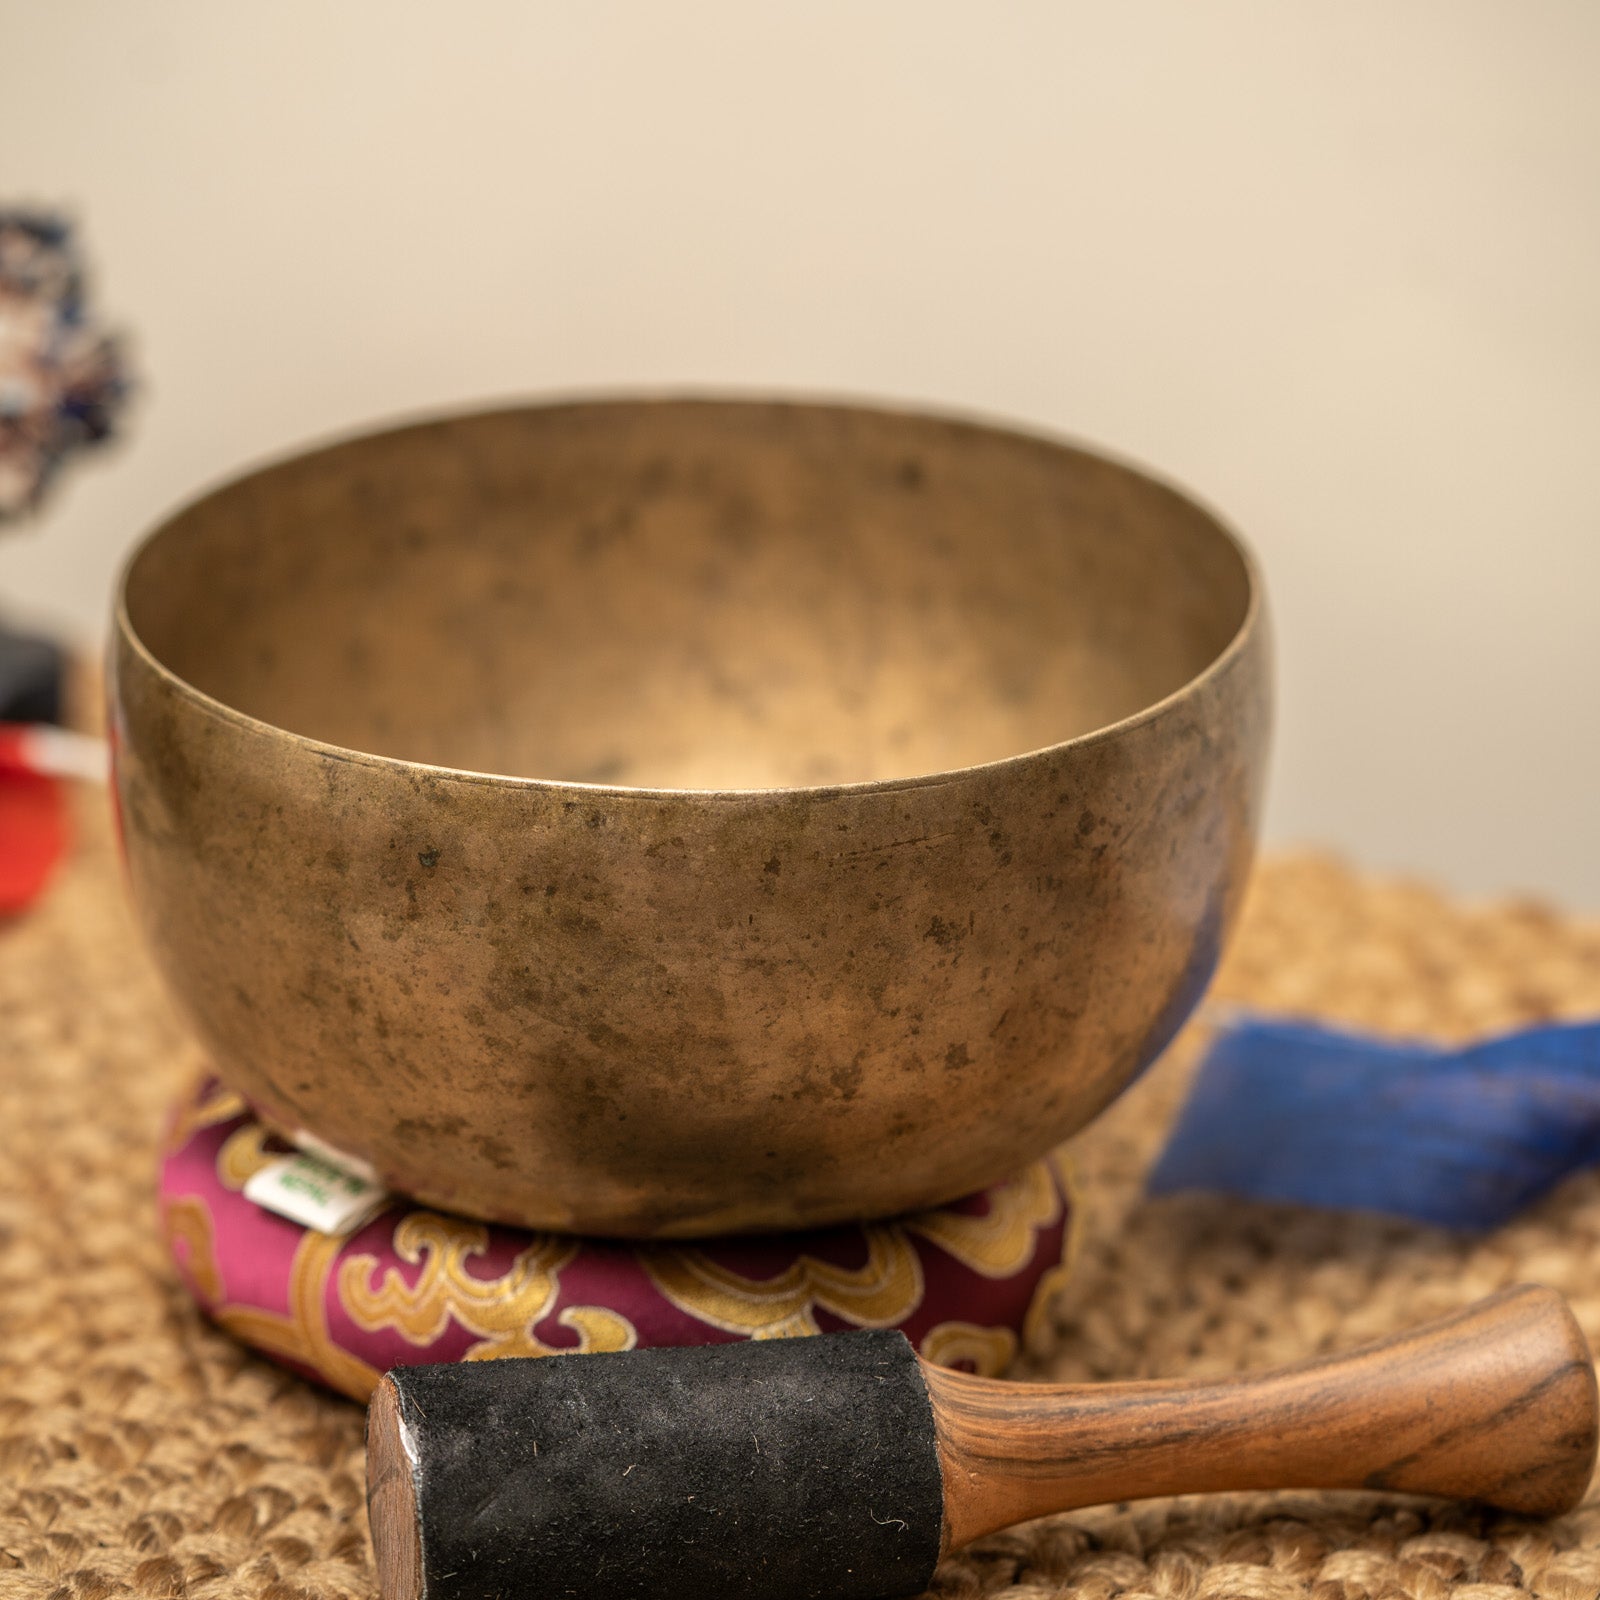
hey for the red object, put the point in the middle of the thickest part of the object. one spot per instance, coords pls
(963, 1282)
(33, 833)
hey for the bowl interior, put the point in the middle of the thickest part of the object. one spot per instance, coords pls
(690, 594)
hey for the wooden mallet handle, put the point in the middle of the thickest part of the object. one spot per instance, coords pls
(844, 1466)
(1497, 1403)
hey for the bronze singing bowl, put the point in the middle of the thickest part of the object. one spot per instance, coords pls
(671, 817)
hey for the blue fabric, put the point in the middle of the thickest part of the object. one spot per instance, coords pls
(1461, 1137)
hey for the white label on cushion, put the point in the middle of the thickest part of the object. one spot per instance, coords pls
(334, 1156)
(316, 1192)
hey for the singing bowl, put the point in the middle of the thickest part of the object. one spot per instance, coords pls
(674, 817)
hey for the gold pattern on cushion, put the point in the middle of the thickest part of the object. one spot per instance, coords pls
(187, 1222)
(990, 1350)
(501, 1311)
(1001, 1242)
(1035, 1323)
(242, 1155)
(196, 1111)
(303, 1335)
(884, 1290)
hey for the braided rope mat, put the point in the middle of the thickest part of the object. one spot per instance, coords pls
(142, 1452)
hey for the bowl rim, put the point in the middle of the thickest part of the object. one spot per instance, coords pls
(123, 629)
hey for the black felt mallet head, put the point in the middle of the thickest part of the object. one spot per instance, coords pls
(844, 1466)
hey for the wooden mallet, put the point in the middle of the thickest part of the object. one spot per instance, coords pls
(845, 1466)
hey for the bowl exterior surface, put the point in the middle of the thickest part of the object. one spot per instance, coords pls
(657, 1013)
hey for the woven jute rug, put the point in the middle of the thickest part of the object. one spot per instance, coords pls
(143, 1452)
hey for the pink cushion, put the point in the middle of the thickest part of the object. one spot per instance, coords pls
(414, 1285)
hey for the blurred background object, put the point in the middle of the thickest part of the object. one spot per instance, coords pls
(61, 378)
(62, 386)
(34, 824)
(1331, 265)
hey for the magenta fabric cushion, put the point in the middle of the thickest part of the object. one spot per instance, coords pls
(415, 1285)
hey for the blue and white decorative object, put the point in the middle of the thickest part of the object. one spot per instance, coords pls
(63, 382)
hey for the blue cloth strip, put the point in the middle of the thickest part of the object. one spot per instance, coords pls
(1460, 1137)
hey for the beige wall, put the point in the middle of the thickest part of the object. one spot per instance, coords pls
(1334, 265)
